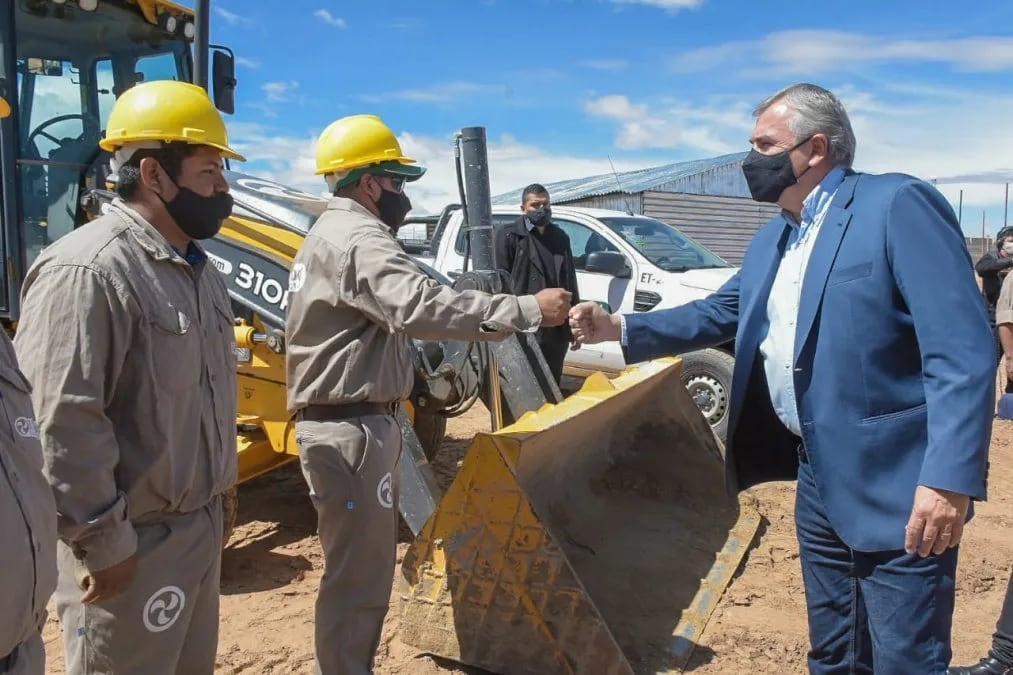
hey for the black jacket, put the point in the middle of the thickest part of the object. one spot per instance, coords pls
(536, 262)
(988, 268)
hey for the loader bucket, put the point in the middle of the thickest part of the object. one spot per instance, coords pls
(592, 536)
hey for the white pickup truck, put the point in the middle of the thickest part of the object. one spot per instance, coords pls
(627, 263)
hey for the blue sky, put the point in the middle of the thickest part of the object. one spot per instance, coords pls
(562, 85)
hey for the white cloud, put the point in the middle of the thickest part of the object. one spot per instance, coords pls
(248, 63)
(616, 107)
(446, 92)
(512, 164)
(406, 23)
(279, 91)
(677, 126)
(608, 65)
(667, 5)
(815, 51)
(963, 136)
(231, 17)
(329, 18)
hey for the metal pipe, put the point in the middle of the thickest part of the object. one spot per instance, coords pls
(495, 393)
(201, 40)
(479, 207)
(459, 170)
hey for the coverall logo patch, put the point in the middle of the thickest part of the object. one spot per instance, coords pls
(163, 609)
(26, 427)
(385, 492)
(296, 278)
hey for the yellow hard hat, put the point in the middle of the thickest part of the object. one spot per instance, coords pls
(167, 110)
(5, 108)
(360, 141)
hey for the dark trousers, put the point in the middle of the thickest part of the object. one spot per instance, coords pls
(885, 612)
(1002, 640)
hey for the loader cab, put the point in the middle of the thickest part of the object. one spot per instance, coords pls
(62, 65)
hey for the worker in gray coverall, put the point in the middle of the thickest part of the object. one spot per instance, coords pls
(355, 300)
(27, 526)
(27, 521)
(127, 336)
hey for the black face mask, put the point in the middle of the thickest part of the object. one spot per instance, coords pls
(540, 216)
(770, 175)
(199, 217)
(393, 207)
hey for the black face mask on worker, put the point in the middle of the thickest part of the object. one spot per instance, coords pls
(199, 217)
(770, 175)
(393, 207)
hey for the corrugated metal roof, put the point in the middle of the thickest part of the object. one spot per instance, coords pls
(632, 182)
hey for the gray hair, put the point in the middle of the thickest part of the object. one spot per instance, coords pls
(817, 111)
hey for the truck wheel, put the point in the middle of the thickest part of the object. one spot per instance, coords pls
(230, 508)
(707, 374)
(430, 429)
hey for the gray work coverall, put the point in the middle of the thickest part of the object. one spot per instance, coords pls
(27, 526)
(130, 349)
(355, 300)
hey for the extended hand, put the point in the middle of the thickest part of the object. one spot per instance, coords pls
(937, 521)
(591, 324)
(555, 304)
(104, 584)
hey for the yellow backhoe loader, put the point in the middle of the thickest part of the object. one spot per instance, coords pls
(590, 534)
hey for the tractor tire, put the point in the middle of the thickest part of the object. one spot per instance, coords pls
(707, 374)
(230, 508)
(430, 429)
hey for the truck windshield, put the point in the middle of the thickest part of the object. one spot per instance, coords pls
(663, 245)
(71, 65)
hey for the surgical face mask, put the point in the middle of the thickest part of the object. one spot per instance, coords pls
(540, 216)
(199, 217)
(768, 176)
(1007, 247)
(393, 207)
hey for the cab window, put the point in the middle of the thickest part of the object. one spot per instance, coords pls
(583, 241)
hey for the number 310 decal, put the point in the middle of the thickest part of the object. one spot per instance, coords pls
(267, 288)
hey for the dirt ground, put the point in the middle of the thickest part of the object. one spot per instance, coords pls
(272, 567)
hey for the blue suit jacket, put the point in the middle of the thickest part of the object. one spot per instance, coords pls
(894, 358)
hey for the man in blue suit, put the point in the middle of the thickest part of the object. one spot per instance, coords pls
(865, 367)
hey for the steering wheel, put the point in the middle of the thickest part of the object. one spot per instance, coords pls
(89, 130)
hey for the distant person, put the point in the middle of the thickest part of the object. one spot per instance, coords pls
(999, 660)
(992, 268)
(537, 254)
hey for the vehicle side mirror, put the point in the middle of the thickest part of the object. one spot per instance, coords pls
(608, 262)
(223, 78)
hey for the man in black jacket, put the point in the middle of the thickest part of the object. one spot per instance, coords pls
(993, 268)
(537, 255)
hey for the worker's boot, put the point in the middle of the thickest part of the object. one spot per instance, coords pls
(987, 666)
